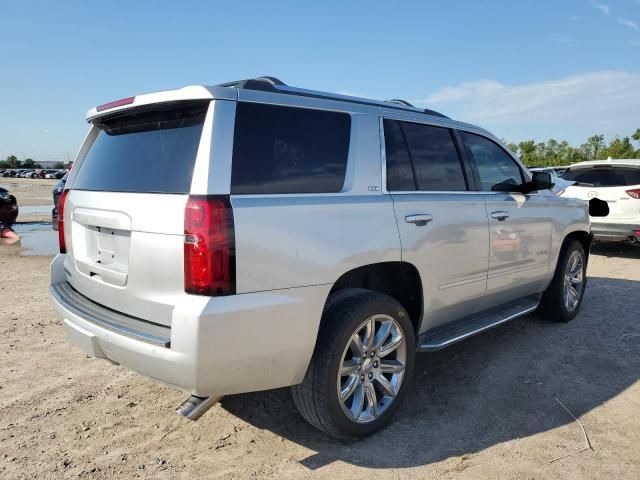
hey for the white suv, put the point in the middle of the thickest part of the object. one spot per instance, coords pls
(617, 182)
(251, 235)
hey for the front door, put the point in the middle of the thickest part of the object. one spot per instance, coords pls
(519, 224)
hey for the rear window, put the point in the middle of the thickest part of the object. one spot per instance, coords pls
(288, 150)
(146, 150)
(605, 176)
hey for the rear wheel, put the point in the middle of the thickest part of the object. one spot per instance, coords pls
(361, 366)
(562, 300)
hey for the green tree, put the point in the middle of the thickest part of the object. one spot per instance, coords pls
(592, 147)
(29, 163)
(618, 148)
(12, 162)
(59, 165)
(527, 152)
(636, 136)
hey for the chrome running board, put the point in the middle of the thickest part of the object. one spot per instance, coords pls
(445, 335)
(194, 407)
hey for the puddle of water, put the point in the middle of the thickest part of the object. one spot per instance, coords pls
(36, 209)
(36, 238)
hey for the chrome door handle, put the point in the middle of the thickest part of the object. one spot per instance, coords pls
(500, 215)
(419, 219)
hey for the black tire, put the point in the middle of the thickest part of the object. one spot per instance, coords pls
(316, 397)
(552, 305)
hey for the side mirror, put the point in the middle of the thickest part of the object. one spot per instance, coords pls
(541, 181)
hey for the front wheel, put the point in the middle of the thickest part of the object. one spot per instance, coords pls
(562, 300)
(361, 366)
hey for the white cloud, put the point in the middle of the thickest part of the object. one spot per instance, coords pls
(603, 7)
(629, 23)
(575, 18)
(565, 40)
(570, 107)
(46, 131)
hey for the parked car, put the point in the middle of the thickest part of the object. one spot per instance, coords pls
(58, 188)
(618, 183)
(251, 235)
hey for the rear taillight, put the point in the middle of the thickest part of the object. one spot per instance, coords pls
(635, 193)
(63, 199)
(209, 246)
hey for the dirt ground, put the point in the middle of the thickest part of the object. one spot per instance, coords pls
(489, 407)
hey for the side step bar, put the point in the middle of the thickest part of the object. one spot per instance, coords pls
(194, 407)
(445, 335)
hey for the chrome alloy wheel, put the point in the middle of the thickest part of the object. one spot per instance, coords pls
(573, 281)
(371, 369)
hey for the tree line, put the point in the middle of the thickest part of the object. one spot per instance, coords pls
(554, 153)
(13, 162)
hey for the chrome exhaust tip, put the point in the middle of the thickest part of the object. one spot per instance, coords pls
(194, 407)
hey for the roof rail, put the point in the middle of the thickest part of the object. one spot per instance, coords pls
(272, 84)
(401, 102)
(434, 113)
(260, 83)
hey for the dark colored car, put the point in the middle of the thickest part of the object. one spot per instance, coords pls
(57, 191)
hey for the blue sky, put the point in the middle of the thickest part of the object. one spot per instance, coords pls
(523, 69)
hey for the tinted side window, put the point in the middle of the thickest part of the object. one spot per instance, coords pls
(605, 177)
(425, 152)
(288, 150)
(400, 177)
(498, 172)
(145, 150)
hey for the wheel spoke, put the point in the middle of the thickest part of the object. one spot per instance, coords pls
(372, 401)
(369, 334)
(356, 346)
(383, 333)
(390, 346)
(577, 277)
(573, 294)
(348, 390)
(385, 386)
(358, 401)
(391, 366)
(349, 367)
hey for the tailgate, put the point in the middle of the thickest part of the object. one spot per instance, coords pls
(124, 213)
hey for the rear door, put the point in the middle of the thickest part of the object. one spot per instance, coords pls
(619, 186)
(442, 223)
(124, 214)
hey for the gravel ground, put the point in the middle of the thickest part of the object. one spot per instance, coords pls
(489, 407)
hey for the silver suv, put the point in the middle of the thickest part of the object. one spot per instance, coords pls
(251, 235)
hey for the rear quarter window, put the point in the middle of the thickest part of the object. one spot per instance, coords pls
(280, 149)
(150, 150)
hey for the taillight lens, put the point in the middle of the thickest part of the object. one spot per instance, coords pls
(209, 246)
(117, 103)
(61, 242)
(635, 193)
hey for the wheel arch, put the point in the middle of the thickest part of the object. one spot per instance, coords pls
(399, 280)
(585, 238)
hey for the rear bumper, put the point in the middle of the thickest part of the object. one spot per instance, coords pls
(218, 346)
(614, 232)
